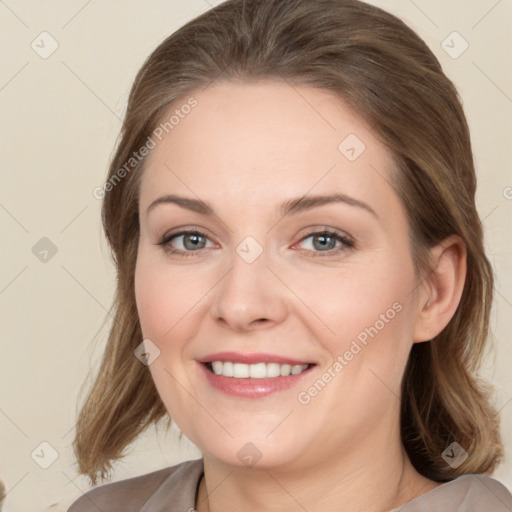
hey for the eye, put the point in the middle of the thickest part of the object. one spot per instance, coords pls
(323, 243)
(191, 241)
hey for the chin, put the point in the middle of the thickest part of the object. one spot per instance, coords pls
(255, 452)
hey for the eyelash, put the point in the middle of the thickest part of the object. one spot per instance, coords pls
(346, 242)
(166, 239)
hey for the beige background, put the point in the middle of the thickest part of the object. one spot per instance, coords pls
(59, 122)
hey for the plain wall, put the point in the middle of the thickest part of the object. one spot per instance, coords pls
(60, 117)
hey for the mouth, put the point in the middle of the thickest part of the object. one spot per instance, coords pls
(259, 370)
(253, 375)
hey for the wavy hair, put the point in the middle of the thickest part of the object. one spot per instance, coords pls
(381, 68)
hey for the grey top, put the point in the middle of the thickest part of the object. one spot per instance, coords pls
(174, 489)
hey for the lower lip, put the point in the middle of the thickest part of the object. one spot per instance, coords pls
(251, 388)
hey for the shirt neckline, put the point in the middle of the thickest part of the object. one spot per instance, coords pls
(184, 484)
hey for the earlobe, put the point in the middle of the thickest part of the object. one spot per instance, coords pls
(443, 288)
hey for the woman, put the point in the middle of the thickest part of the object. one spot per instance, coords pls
(302, 285)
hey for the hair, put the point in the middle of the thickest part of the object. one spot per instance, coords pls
(3, 494)
(386, 73)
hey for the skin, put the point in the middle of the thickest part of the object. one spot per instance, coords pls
(245, 149)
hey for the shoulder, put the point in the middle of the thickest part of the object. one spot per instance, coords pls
(467, 493)
(131, 494)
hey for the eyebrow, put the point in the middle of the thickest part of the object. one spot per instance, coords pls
(292, 206)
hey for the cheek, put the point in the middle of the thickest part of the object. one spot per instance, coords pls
(371, 318)
(160, 300)
(165, 307)
(366, 316)
(169, 300)
(151, 297)
(344, 302)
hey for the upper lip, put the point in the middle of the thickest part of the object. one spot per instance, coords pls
(238, 357)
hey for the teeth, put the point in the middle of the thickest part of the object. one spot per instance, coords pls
(256, 371)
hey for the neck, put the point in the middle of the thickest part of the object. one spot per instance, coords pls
(376, 478)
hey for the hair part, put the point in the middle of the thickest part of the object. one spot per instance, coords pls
(382, 70)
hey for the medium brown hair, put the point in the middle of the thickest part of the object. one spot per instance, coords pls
(379, 67)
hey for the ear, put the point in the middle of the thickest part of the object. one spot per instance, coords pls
(442, 289)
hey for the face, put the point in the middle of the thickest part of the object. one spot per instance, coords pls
(255, 276)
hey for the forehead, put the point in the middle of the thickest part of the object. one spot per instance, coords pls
(242, 142)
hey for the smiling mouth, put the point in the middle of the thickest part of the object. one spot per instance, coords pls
(255, 371)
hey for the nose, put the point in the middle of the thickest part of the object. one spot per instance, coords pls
(249, 296)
